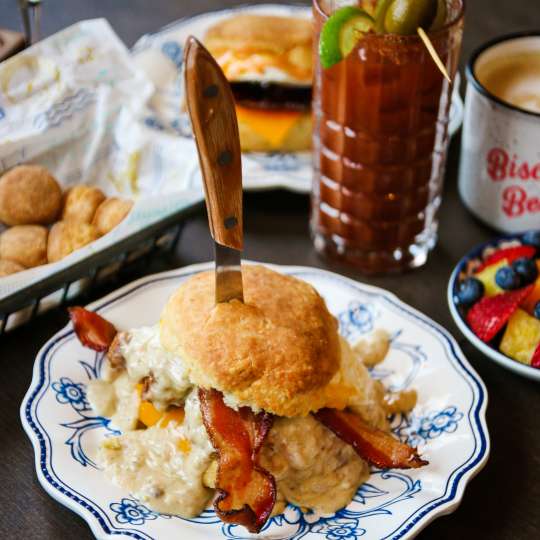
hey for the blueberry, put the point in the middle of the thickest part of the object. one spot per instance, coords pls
(526, 270)
(531, 238)
(507, 278)
(469, 291)
(536, 311)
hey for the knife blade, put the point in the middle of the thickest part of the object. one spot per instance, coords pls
(228, 274)
(210, 104)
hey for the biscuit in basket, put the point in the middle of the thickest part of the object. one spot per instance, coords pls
(25, 244)
(110, 213)
(67, 236)
(29, 194)
(81, 203)
(8, 267)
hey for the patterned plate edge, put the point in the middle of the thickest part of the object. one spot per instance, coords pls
(97, 518)
(466, 471)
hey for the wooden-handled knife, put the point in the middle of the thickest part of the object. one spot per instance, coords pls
(211, 107)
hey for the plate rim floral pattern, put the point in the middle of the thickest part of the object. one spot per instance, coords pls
(100, 523)
(490, 352)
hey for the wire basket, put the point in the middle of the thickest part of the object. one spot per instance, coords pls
(65, 285)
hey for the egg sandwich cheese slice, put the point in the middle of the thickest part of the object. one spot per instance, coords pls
(268, 62)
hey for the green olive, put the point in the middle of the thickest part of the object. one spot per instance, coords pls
(405, 16)
(380, 13)
(441, 15)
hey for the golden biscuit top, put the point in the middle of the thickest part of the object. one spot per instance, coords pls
(259, 32)
(247, 45)
(272, 352)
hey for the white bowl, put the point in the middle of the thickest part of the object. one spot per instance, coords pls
(488, 350)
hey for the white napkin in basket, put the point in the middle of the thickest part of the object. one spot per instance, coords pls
(77, 104)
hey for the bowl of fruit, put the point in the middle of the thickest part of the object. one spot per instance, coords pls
(494, 298)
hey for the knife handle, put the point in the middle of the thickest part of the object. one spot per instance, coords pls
(213, 117)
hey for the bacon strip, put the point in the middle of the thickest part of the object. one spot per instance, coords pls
(246, 491)
(92, 330)
(373, 445)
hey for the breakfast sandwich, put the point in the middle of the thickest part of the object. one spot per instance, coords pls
(251, 405)
(268, 62)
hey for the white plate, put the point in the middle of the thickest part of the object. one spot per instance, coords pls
(448, 423)
(490, 351)
(160, 56)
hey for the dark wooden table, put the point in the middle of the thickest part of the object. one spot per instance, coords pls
(501, 503)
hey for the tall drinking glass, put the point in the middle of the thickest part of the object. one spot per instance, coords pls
(380, 143)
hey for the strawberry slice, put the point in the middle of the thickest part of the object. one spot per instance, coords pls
(491, 313)
(535, 361)
(510, 254)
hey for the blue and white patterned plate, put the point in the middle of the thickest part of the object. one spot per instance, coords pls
(160, 56)
(448, 423)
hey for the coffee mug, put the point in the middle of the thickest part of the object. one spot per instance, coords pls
(499, 177)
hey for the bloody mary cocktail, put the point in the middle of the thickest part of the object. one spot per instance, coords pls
(380, 140)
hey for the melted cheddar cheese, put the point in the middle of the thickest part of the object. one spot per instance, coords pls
(271, 125)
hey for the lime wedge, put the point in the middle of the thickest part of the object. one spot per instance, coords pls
(341, 32)
(352, 31)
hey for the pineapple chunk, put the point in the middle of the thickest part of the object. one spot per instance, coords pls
(487, 277)
(521, 337)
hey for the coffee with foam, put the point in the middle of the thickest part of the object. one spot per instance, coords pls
(514, 78)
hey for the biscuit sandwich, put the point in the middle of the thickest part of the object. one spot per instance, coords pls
(268, 62)
(250, 405)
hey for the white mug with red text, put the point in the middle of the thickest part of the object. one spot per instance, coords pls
(499, 177)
